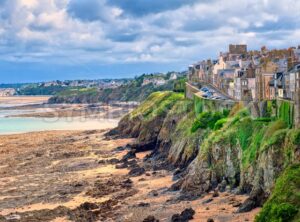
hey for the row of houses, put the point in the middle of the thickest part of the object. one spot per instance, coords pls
(159, 79)
(7, 92)
(251, 75)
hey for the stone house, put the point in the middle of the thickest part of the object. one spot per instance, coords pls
(277, 85)
(219, 65)
(264, 74)
(244, 84)
(291, 82)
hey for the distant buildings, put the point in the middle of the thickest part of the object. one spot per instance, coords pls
(157, 81)
(252, 75)
(7, 92)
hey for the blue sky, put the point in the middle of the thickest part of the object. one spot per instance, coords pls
(43, 40)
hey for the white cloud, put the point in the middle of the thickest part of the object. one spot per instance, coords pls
(49, 30)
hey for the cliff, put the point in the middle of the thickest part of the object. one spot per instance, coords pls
(132, 91)
(217, 150)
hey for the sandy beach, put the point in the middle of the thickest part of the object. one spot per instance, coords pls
(23, 100)
(54, 176)
(80, 175)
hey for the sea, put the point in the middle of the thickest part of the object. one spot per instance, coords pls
(16, 125)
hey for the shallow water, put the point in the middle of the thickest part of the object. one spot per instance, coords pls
(22, 125)
(14, 125)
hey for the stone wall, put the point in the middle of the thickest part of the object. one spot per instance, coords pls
(297, 109)
(211, 105)
(286, 110)
(190, 91)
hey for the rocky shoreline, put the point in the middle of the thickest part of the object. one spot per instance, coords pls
(83, 176)
(154, 166)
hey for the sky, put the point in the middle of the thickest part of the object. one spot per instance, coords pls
(43, 40)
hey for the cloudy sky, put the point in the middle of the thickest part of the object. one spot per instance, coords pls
(70, 39)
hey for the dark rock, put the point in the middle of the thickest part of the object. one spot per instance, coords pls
(122, 166)
(113, 161)
(89, 206)
(207, 201)
(153, 193)
(188, 196)
(78, 184)
(127, 183)
(237, 204)
(142, 204)
(178, 174)
(215, 194)
(176, 186)
(207, 208)
(150, 219)
(176, 218)
(120, 148)
(185, 216)
(142, 179)
(247, 206)
(148, 174)
(222, 186)
(102, 162)
(256, 199)
(210, 220)
(137, 172)
(132, 163)
(129, 155)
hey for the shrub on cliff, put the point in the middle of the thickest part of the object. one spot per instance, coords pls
(284, 203)
(208, 120)
(220, 123)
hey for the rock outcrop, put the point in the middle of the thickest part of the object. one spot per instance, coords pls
(245, 155)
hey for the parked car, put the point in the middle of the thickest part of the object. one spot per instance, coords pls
(207, 94)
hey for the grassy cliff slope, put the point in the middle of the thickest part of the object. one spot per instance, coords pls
(220, 151)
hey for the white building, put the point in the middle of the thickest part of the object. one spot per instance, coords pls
(7, 92)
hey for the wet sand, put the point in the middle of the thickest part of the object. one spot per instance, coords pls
(50, 175)
(23, 100)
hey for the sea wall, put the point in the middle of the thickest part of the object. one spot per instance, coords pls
(211, 105)
(190, 90)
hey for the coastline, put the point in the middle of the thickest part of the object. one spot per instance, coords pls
(64, 175)
(33, 117)
(42, 172)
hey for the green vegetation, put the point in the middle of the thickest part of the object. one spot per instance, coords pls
(252, 135)
(264, 119)
(132, 91)
(273, 127)
(234, 143)
(220, 123)
(76, 95)
(198, 103)
(179, 85)
(157, 103)
(286, 113)
(34, 89)
(296, 137)
(284, 203)
(207, 120)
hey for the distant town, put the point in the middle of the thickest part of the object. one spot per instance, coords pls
(249, 75)
(52, 87)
